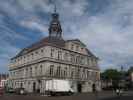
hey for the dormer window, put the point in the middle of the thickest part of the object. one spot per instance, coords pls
(82, 49)
(77, 48)
(20, 57)
(41, 50)
(32, 55)
(72, 46)
(36, 52)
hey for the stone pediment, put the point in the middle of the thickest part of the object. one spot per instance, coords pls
(77, 41)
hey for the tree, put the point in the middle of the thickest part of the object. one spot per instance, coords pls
(112, 75)
(130, 70)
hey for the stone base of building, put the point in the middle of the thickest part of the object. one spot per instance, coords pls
(39, 85)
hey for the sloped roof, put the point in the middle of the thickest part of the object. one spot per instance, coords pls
(81, 43)
(90, 53)
(43, 42)
(51, 41)
(77, 40)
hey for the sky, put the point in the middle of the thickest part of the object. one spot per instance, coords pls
(105, 26)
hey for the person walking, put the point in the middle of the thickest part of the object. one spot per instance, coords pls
(95, 91)
(94, 88)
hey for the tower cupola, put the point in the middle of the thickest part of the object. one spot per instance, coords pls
(55, 30)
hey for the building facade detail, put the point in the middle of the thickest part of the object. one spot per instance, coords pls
(55, 58)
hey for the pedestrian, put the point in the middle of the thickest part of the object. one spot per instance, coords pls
(94, 88)
(117, 92)
(94, 91)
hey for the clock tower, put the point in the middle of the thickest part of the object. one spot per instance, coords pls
(55, 30)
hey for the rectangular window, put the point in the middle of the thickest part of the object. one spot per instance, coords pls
(32, 55)
(51, 70)
(40, 69)
(59, 55)
(78, 73)
(66, 56)
(35, 70)
(36, 52)
(72, 58)
(52, 52)
(42, 50)
(72, 72)
(26, 72)
(65, 72)
(30, 71)
(58, 71)
(28, 56)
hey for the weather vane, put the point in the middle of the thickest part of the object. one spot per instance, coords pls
(55, 8)
(54, 3)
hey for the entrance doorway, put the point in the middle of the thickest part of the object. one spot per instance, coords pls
(79, 87)
(34, 87)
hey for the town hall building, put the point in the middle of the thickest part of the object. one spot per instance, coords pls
(54, 58)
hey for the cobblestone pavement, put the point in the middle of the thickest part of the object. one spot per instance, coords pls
(128, 95)
(108, 95)
(120, 98)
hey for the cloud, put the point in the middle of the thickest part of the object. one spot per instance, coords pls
(43, 5)
(35, 24)
(7, 51)
(106, 28)
(109, 34)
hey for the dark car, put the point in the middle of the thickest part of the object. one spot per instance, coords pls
(20, 91)
(10, 90)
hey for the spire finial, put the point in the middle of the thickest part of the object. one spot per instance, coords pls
(55, 8)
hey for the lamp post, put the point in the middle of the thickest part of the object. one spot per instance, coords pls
(122, 76)
(122, 81)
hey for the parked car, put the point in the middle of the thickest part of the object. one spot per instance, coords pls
(1, 91)
(20, 91)
(10, 90)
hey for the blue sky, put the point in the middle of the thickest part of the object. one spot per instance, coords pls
(105, 26)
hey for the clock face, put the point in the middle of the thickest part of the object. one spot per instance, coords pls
(55, 29)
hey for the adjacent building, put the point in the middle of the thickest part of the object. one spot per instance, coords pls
(3, 80)
(55, 58)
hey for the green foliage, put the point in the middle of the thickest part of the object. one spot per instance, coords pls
(130, 70)
(111, 74)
